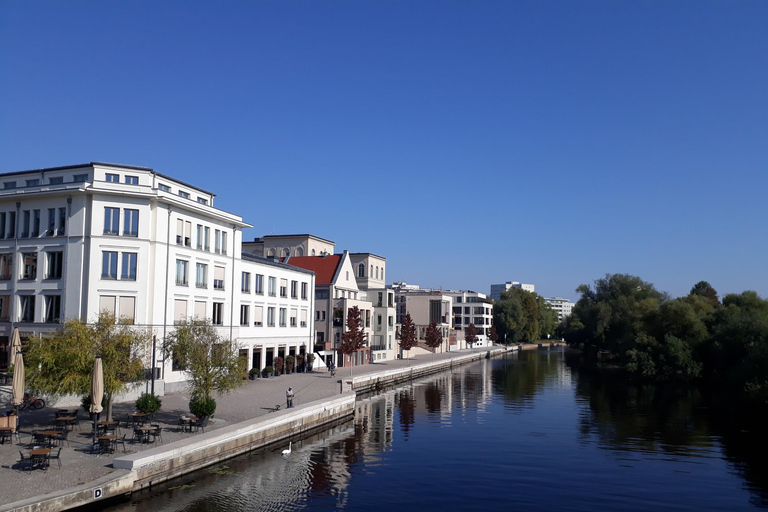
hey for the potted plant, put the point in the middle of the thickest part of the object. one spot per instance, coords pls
(290, 363)
(148, 403)
(278, 365)
(253, 373)
(300, 363)
(267, 372)
(310, 361)
(203, 407)
(85, 401)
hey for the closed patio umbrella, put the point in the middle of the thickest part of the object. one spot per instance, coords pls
(97, 392)
(15, 344)
(17, 389)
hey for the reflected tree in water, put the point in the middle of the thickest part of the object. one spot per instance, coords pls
(406, 405)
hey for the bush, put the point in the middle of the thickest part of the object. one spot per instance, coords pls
(148, 403)
(253, 372)
(202, 406)
(290, 362)
(279, 364)
(268, 370)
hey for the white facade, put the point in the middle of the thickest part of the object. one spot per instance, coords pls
(426, 306)
(496, 289)
(472, 308)
(562, 306)
(77, 240)
(285, 246)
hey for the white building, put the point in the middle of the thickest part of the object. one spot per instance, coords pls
(284, 246)
(496, 289)
(472, 308)
(426, 306)
(77, 240)
(562, 306)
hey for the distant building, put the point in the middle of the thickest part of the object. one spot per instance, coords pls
(561, 306)
(472, 308)
(496, 289)
(284, 246)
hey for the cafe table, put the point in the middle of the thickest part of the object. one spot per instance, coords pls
(107, 444)
(50, 434)
(39, 457)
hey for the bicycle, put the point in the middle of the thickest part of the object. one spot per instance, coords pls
(32, 403)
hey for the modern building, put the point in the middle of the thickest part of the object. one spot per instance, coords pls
(151, 249)
(496, 289)
(562, 306)
(472, 308)
(426, 306)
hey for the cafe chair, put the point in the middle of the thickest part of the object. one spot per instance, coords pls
(157, 433)
(121, 441)
(57, 457)
(62, 438)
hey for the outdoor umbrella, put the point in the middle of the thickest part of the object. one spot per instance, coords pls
(97, 392)
(18, 379)
(15, 344)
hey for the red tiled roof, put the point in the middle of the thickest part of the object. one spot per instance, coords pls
(324, 268)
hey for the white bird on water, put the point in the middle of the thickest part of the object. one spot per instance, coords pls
(288, 451)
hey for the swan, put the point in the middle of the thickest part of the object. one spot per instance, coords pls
(288, 451)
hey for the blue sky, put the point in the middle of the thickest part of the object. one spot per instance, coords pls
(468, 142)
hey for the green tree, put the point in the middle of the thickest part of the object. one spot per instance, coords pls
(63, 363)
(408, 338)
(210, 364)
(705, 290)
(523, 316)
(353, 339)
(433, 337)
(470, 335)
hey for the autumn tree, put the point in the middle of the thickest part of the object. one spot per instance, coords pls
(210, 363)
(353, 339)
(470, 335)
(62, 364)
(433, 337)
(408, 338)
(493, 336)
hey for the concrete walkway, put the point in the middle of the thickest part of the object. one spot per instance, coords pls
(254, 398)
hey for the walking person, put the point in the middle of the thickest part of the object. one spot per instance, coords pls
(289, 398)
(332, 368)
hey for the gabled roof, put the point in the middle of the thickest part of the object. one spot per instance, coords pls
(323, 267)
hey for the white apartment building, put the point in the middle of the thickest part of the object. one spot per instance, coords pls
(426, 306)
(563, 307)
(472, 308)
(153, 250)
(496, 289)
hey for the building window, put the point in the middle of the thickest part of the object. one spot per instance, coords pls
(107, 304)
(270, 317)
(244, 316)
(51, 222)
(199, 236)
(304, 317)
(35, 223)
(113, 178)
(79, 178)
(283, 314)
(111, 221)
(164, 188)
(284, 288)
(361, 270)
(129, 266)
(29, 260)
(62, 221)
(5, 308)
(6, 266)
(245, 282)
(132, 180)
(185, 195)
(218, 313)
(52, 308)
(53, 264)
(294, 317)
(218, 278)
(223, 242)
(271, 286)
(304, 291)
(58, 180)
(201, 275)
(25, 224)
(202, 200)
(27, 308)
(258, 284)
(11, 225)
(294, 289)
(207, 239)
(179, 231)
(127, 309)
(2, 224)
(33, 183)
(181, 272)
(258, 316)
(131, 226)
(217, 241)
(109, 265)
(9, 184)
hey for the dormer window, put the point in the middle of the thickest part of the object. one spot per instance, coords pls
(80, 178)
(132, 180)
(164, 188)
(185, 195)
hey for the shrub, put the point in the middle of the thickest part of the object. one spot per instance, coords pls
(85, 401)
(148, 403)
(279, 364)
(253, 372)
(268, 370)
(290, 361)
(202, 406)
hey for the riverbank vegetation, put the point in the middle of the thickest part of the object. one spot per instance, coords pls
(625, 320)
(522, 316)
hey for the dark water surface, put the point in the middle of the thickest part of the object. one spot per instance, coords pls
(530, 432)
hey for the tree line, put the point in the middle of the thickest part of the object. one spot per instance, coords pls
(522, 316)
(653, 336)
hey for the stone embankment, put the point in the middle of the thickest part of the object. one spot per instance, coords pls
(145, 468)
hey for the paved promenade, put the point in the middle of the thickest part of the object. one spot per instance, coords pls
(254, 398)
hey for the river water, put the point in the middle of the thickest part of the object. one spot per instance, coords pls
(532, 431)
